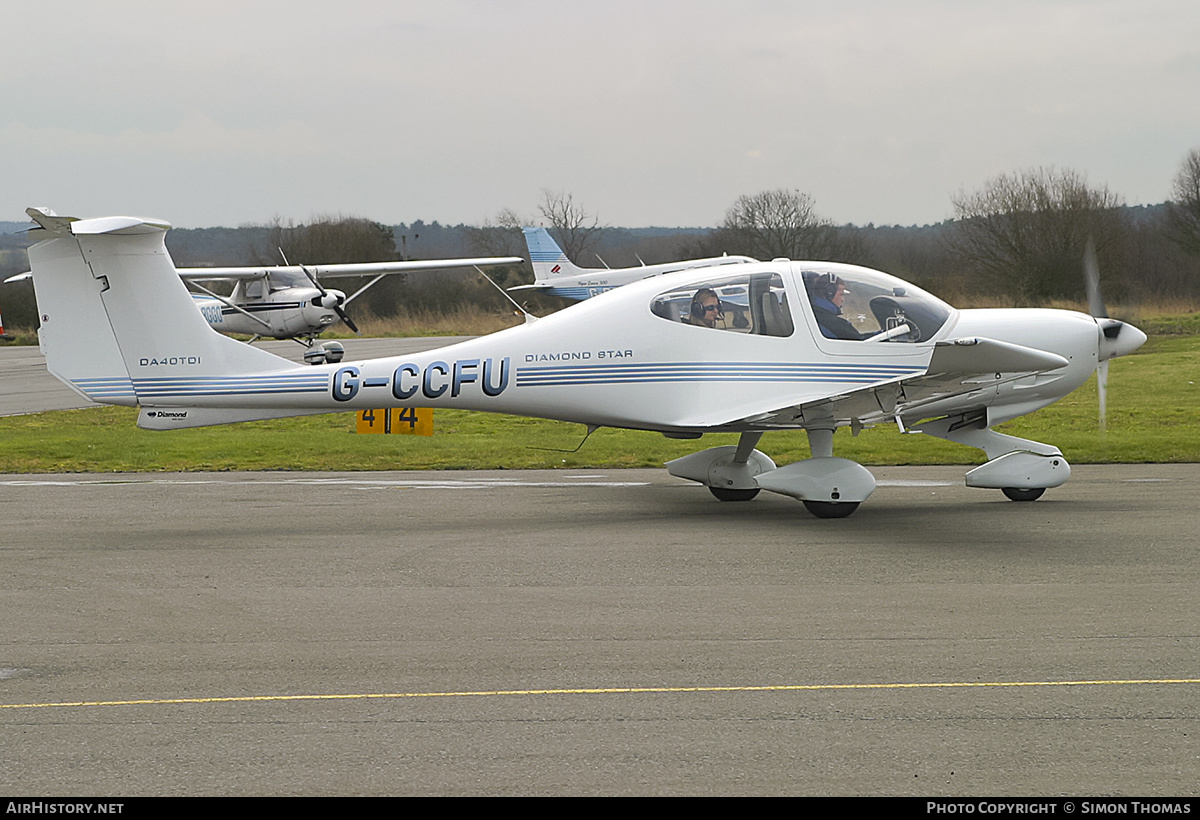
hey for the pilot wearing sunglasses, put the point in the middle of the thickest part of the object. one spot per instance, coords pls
(706, 308)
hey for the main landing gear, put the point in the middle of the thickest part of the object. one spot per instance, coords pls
(833, 487)
(829, 487)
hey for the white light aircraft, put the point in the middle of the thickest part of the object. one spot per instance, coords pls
(554, 273)
(289, 302)
(118, 325)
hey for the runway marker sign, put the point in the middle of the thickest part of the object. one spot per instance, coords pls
(409, 421)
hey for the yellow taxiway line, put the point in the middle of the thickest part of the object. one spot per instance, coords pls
(809, 687)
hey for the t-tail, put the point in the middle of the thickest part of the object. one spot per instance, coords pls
(119, 326)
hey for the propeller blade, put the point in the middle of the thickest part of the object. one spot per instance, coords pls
(353, 327)
(1102, 392)
(312, 278)
(1091, 275)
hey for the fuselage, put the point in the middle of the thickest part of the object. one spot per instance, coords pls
(634, 358)
(282, 314)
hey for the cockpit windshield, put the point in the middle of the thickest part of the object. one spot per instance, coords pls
(859, 304)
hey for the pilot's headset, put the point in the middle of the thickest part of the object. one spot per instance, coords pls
(697, 308)
(823, 286)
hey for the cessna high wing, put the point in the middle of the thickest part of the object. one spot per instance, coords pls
(290, 301)
(554, 273)
(118, 325)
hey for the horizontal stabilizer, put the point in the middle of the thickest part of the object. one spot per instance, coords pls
(114, 225)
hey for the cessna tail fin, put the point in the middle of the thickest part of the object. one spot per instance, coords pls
(117, 323)
(549, 261)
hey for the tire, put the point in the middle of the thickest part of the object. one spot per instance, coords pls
(728, 494)
(1018, 494)
(830, 509)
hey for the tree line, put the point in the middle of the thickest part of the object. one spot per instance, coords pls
(1018, 239)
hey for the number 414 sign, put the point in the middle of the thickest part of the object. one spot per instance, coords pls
(412, 421)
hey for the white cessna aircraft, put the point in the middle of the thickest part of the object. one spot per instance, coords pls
(118, 325)
(288, 302)
(554, 273)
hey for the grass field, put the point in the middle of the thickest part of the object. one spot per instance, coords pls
(1153, 416)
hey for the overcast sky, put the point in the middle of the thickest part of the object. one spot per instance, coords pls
(649, 113)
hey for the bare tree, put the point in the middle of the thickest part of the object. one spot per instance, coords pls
(327, 240)
(576, 230)
(337, 239)
(500, 236)
(1183, 211)
(1025, 233)
(783, 223)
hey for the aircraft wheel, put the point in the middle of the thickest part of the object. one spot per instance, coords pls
(728, 494)
(1018, 494)
(830, 509)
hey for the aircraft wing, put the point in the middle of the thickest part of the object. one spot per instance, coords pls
(956, 369)
(344, 270)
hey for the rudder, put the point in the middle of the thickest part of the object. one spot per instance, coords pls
(548, 259)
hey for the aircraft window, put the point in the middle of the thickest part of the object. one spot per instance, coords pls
(282, 279)
(749, 303)
(858, 304)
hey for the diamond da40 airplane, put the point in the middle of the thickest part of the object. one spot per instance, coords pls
(555, 274)
(118, 325)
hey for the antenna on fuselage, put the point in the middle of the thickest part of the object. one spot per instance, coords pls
(591, 428)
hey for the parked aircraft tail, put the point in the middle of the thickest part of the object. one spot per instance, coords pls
(548, 259)
(556, 274)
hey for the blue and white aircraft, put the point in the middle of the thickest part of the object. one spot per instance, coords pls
(554, 273)
(118, 325)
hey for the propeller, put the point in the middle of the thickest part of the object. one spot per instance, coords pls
(331, 300)
(334, 300)
(1116, 337)
(1091, 276)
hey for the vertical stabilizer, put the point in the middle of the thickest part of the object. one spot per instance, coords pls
(114, 314)
(548, 260)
